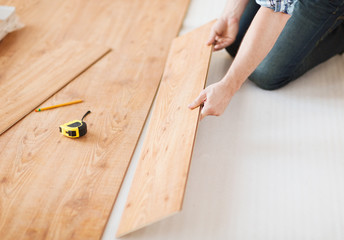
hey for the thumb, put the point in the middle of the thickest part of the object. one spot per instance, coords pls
(212, 36)
(215, 30)
(199, 100)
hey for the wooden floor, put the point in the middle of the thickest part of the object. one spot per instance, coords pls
(270, 168)
(160, 179)
(53, 187)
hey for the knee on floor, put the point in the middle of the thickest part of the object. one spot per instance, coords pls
(268, 79)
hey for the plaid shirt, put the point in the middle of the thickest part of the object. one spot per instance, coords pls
(285, 6)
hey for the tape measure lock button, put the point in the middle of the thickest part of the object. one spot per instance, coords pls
(74, 129)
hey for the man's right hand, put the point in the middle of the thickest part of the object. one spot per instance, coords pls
(223, 33)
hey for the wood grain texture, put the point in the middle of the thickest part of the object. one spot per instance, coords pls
(159, 183)
(52, 187)
(22, 91)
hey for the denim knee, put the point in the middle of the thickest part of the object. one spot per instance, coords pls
(268, 79)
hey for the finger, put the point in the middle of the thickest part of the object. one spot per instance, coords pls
(219, 46)
(204, 112)
(198, 101)
(219, 40)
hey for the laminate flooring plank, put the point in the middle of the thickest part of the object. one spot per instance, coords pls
(159, 183)
(113, 23)
(22, 91)
(53, 187)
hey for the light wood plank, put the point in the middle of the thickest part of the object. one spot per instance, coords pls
(53, 187)
(21, 91)
(159, 183)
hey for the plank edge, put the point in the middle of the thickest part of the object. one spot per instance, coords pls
(120, 234)
(195, 133)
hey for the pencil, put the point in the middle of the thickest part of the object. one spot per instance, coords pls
(58, 105)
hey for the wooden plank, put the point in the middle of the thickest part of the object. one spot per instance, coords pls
(21, 91)
(159, 183)
(52, 187)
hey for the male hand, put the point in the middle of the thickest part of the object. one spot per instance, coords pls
(214, 98)
(223, 33)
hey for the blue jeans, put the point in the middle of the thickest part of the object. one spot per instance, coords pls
(313, 34)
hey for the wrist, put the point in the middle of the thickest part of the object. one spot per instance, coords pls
(234, 9)
(231, 83)
(229, 19)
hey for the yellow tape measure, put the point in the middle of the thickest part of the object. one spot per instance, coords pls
(74, 129)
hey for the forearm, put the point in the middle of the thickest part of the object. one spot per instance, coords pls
(234, 9)
(258, 41)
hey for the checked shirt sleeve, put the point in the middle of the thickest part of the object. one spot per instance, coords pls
(285, 6)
